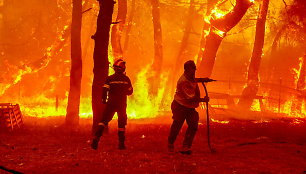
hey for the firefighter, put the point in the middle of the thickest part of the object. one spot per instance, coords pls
(115, 91)
(186, 99)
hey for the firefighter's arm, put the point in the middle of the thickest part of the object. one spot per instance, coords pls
(129, 88)
(205, 99)
(105, 90)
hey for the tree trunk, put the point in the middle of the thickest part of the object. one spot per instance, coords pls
(129, 26)
(218, 29)
(118, 28)
(205, 29)
(179, 61)
(301, 86)
(158, 48)
(184, 44)
(2, 17)
(100, 57)
(301, 83)
(250, 91)
(72, 116)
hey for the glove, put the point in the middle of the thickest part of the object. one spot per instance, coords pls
(205, 99)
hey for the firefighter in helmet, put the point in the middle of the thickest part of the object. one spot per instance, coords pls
(115, 91)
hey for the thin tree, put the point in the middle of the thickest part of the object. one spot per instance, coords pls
(219, 26)
(100, 57)
(182, 49)
(72, 116)
(129, 25)
(301, 83)
(158, 47)
(250, 91)
(117, 29)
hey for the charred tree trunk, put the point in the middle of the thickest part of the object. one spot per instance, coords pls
(184, 43)
(1, 26)
(100, 57)
(301, 87)
(72, 116)
(158, 48)
(301, 83)
(118, 28)
(129, 25)
(250, 91)
(218, 29)
(297, 105)
(205, 29)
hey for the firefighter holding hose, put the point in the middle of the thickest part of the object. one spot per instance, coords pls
(186, 99)
(115, 91)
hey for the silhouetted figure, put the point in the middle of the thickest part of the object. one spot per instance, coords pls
(115, 91)
(186, 99)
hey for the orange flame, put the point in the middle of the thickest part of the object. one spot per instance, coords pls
(297, 72)
(140, 104)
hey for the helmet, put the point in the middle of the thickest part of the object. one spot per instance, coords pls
(119, 65)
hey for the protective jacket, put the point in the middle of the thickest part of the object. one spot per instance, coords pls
(116, 88)
(187, 92)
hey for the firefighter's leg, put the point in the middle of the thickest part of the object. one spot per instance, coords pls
(122, 121)
(178, 121)
(98, 134)
(121, 137)
(106, 117)
(192, 120)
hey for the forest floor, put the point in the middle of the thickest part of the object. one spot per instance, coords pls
(242, 146)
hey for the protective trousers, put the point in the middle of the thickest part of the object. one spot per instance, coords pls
(110, 109)
(180, 114)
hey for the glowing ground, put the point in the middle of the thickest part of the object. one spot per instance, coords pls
(44, 146)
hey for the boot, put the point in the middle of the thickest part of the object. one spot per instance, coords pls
(94, 143)
(121, 137)
(186, 151)
(98, 134)
(170, 147)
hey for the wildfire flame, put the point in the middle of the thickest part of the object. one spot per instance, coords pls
(17, 73)
(297, 72)
(140, 105)
(217, 13)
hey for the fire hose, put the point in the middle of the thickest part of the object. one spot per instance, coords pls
(203, 80)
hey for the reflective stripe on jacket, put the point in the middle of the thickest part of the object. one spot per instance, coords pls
(118, 87)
